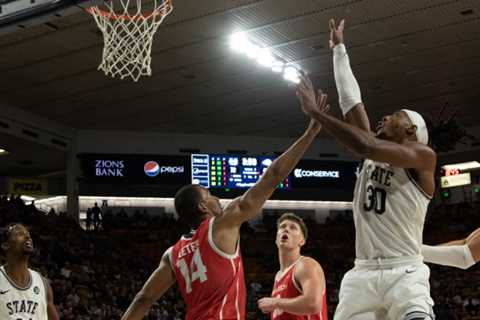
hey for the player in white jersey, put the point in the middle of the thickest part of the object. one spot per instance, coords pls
(391, 196)
(24, 293)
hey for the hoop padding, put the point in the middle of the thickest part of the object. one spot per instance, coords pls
(128, 36)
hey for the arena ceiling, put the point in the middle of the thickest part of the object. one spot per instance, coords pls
(420, 53)
(404, 52)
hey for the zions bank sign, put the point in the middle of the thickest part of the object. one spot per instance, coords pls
(109, 168)
(172, 170)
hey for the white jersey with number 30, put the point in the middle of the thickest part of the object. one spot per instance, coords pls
(389, 209)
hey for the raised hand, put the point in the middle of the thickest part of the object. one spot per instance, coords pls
(336, 33)
(309, 101)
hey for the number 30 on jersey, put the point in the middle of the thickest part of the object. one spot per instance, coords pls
(375, 200)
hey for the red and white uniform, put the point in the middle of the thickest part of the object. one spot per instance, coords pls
(286, 287)
(211, 282)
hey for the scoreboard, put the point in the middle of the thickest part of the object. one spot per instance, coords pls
(230, 171)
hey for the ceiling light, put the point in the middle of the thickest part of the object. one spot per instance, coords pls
(291, 74)
(278, 66)
(3, 152)
(265, 58)
(252, 51)
(239, 42)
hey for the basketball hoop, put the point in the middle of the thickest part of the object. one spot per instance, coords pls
(128, 35)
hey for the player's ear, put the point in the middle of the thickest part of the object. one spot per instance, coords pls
(411, 131)
(202, 208)
(302, 243)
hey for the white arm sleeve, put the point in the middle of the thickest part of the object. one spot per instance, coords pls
(451, 256)
(347, 87)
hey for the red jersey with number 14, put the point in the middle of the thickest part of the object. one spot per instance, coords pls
(211, 282)
(286, 287)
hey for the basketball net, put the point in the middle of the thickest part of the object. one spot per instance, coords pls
(128, 36)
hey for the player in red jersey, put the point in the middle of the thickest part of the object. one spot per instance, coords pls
(206, 263)
(299, 289)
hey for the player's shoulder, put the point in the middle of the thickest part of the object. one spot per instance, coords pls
(421, 147)
(308, 264)
(36, 271)
(308, 261)
(167, 256)
(43, 278)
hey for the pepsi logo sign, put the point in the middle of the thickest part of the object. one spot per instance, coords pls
(151, 168)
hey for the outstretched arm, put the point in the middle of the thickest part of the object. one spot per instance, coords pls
(247, 206)
(461, 254)
(350, 97)
(226, 228)
(309, 275)
(158, 283)
(362, 143)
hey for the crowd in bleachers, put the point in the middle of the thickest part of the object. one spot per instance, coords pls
(96, 273)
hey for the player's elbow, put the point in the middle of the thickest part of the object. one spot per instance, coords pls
(313, 309)
(273, 176)
(313, 306)
(273, 172)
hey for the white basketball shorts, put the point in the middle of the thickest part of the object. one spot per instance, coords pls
(398, 293)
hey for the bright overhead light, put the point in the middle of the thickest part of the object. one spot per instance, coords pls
(265, 58)
(291, 74)
(278, 66)
(3, 152)
(239, 42)
(252, 51)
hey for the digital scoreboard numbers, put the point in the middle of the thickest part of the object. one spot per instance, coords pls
(230, 172)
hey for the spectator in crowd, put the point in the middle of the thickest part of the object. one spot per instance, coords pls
(99, 284)
(96, 216)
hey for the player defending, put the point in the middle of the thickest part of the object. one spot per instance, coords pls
(391, 196)
(299, 289)
(24, 293)
(206, 263)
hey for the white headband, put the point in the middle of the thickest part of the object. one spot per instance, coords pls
(418, 121)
